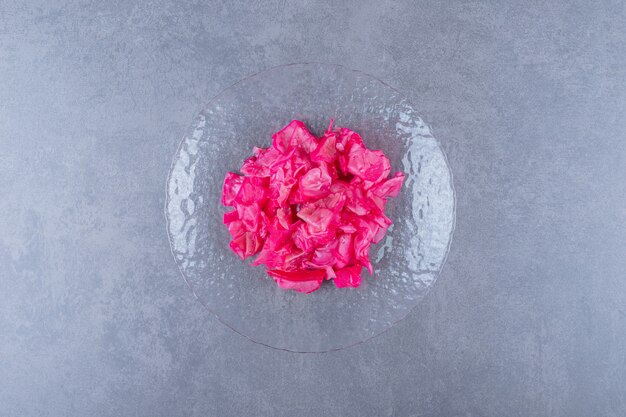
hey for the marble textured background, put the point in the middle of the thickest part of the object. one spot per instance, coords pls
(528, 317)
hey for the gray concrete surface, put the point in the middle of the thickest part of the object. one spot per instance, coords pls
(528, 317)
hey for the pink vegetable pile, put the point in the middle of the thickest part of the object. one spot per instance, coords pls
(310, 207)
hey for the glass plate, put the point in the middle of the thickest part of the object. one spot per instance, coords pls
(243, 297)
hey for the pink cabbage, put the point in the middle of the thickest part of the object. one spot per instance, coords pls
(310, 207)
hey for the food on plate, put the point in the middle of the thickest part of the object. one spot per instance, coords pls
(310, 207)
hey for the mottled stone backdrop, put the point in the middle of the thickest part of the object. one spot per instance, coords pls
(528, 317)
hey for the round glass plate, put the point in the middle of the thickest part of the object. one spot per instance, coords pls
(243, 297)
